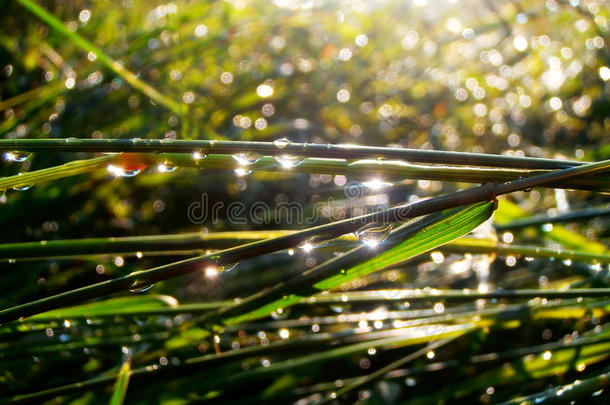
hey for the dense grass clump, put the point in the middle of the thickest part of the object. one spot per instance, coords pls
(309, 202)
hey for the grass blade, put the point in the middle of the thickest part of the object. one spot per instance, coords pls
(122, 382)
(407, 241)
(106, 60)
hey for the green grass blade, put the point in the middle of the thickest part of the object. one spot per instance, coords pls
(66, 170)
(421, 237)
(122, 383)
(270, 149)
(106, 60)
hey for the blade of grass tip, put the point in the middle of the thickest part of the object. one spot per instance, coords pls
(293, 148)
(106, 60)
(377, 374)
(57, 172)
(329, 231)
(122, 382)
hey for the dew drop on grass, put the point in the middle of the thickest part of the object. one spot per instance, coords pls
(241, 171)
(122, 172)
(282, 143)
(289, 161)
(138, 287)
(22, 187)
(16, 156)
(198, 155)
(376, 184)
(166, 167)
(373, 234)
(311, 244)
(247, 158)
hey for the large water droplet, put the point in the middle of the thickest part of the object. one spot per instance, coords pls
(73, 140)
(282, 143)
(289, 161)
(166, 167)
(247, 158)
(138, 287)
(16, 156)
(373, 234)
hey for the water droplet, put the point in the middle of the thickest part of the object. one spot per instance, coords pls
(247, 158)
(73, 140)
(138, 287)
(373, 234)
(376, 184)
(198, 155)
(166, 167)
(118, 171)
(22, 187)
(212, 271)
(16, 156)
(282, 143)
(289, 161)
(311, 244)
(241, 171)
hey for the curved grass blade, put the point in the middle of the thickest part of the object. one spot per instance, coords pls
(405, 242)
